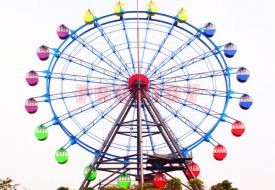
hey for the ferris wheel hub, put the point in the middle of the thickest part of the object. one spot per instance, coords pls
(138, 82)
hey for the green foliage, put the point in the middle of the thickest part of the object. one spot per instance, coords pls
(196, 182)
(7, 184)
(224, 185)
(113, 188)
(66, 188)
(147, 186)
(174, 183)
(63, 188)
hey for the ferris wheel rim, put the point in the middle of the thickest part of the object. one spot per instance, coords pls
(52, 65)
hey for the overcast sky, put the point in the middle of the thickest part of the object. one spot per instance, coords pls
(25, 25)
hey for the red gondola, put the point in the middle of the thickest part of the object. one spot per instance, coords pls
(194, 168)
(160, 180)
(219, 152)
(238, 128)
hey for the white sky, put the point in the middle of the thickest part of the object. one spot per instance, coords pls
(27, 24)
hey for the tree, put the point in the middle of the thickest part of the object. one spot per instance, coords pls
(224, 185)
(63, 188)
(113, 188)
(174, 183)
(7, 184)
(66, 188)
(196, 182)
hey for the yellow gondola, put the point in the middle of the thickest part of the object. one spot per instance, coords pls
(88, 17)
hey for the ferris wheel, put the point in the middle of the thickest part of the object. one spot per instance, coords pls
(139, 90)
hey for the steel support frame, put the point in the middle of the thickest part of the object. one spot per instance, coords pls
(141, 98)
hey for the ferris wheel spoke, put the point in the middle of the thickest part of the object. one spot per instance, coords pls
(160, 46)
(185, 64)
(113, 47)
(85, 130)
(128, 43)
(193, 90)
(100, 116)
(88, 65)
(102, 91)
(86, 79)
(172, 111)
(145, 39)
(174, 53)
(98, 54)
(168, 96)
(176, 114)
(157, 80)
(91, 105)
(84, 91)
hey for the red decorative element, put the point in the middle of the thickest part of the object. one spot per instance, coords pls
(219, 152)
(31, 105)
(194, 168)
(160, 180)
(237, 128)
(138, 82)
(62, 32)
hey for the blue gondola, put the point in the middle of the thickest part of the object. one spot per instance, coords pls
(242, 74)
(209, 30)
(230, 50)
(245, 102)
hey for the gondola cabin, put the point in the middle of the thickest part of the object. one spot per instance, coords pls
(32, 78)
(124, 181)
(62, 32)
(242, 75)
(238, 129)
(151, 7)
(61, 156)
(182, 15)
(31, 105)
(230, 50)
(43, 53)
(119, 8)
(159, 180)
(245, 102)
(88, 17)
(92, 175)
(194, 168)
(209, 30)
(41, 133)
(219, 152)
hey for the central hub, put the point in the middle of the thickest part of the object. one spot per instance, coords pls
(138, 82)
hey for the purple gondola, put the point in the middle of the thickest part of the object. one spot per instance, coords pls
(43, 53)
(31, 105)
(62, 32)
(32, 78)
